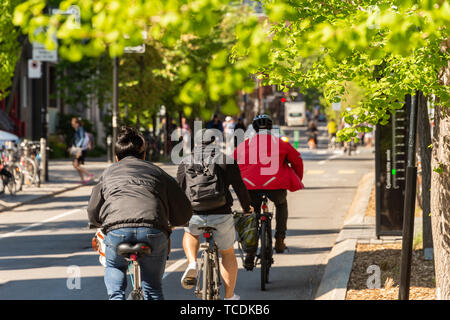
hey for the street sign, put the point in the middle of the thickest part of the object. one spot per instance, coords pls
(34, 69)
(139, 48)
(391, 143)
(40, 53)
(73, 12)
(336, 106)
(136, 49)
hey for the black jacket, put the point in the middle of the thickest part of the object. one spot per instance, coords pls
(232, 176)
(136, 193)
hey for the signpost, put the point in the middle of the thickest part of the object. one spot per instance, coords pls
(409, 205)
(390, 170)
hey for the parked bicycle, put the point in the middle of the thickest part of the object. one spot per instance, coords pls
(9, 157)
(208, 279)
(8, 181)
(30, 162)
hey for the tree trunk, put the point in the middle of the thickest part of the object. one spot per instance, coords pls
(440, 190)
(424, 137)
(440, 202)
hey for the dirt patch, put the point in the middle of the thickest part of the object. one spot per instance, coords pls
(387, 258)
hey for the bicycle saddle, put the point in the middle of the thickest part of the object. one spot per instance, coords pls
(207, 229)
(125, 249)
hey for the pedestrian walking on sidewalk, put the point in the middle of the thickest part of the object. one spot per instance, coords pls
(136, 201)
(79, 150)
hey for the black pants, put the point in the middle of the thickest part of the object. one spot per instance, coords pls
(278, 197)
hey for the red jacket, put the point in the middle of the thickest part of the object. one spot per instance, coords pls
(263, 160)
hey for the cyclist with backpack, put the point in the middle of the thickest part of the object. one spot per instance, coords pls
(205, 176)
(271, 166)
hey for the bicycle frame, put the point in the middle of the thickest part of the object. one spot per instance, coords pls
(135, 275)
(210, 270)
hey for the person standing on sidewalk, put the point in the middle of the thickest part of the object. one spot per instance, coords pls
(207, 161)
(136, 201)
(78, 150)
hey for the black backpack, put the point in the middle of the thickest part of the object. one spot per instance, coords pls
(205, 186)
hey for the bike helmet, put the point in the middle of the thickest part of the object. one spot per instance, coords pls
(262, 121)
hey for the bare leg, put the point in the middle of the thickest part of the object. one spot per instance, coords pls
(229, 271)
(191, 245)
(77, 167)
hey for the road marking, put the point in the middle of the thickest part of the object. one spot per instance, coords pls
(174, 266)
(37, 224)
(327, 159)
(346, 171)
(315, 172)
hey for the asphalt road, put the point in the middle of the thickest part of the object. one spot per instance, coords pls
(45, 247)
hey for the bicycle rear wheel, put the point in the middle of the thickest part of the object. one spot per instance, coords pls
(264, 255)
(206, 292)
(216, 276)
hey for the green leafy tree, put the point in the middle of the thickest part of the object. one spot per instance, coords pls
(9, 46)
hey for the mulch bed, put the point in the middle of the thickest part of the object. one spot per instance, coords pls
(387, 257)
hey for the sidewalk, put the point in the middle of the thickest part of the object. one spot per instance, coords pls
(62, 177)
(357, 229)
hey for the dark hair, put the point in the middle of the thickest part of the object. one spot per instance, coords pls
(130, 142)
(78, 120)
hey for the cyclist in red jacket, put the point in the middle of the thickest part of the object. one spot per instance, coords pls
(273, 166)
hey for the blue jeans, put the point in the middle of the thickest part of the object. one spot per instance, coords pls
(152, 266)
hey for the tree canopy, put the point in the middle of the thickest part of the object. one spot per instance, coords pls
(9, 45)
(388, 47)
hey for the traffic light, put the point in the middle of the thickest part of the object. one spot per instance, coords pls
(283, 99)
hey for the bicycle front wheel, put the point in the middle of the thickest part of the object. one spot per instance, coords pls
(18, 177)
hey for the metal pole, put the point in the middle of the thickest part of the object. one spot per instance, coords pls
(109, 148)
(409, 204)
(115, 103)
(43, 155)
(44, 119)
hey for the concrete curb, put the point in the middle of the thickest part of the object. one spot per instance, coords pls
(333, 285)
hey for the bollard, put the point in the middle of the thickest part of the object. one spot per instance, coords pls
(109, 148)
(43, 164)
(296, 138)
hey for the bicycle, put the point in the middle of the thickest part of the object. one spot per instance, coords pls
(132, 252)
(29, 162)
(264, 255)
(8, 182)
(9, 158)
(209, 286)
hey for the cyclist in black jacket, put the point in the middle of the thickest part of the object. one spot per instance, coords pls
(136, 201)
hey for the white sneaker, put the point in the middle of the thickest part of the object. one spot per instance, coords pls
(234, 297)
(189, 278)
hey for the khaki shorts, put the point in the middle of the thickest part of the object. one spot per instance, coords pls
(225, 233)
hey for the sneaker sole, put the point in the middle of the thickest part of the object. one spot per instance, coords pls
(190, 279)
